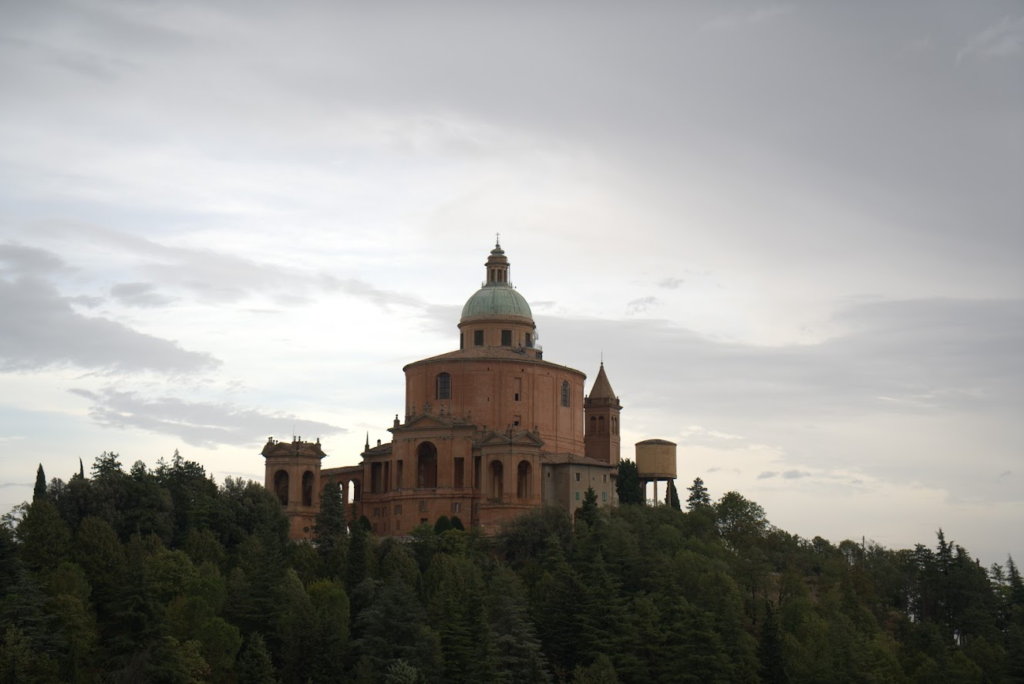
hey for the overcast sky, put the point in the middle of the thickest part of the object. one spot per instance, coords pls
(795, 232)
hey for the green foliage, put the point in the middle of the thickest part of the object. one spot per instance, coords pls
(672, 496)
(527, 536)
(254, 664)
(330, 633)
(698, 495)
(22, 663)
(160, 576)
(330, 533)
(442, 525)
(43, 535)
(39, 491)
(627, 484)
(588, 511)
(741, 522)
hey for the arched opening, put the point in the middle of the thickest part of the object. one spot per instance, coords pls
(357, 491)
(307, 488)
(565, 393)
(593, 425)
(615, 425)
(426, 465)
(600, 425)
(443, 388)
(281, 486)
(497, 479)
(524, 480)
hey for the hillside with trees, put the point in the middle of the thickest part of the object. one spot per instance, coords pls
(160, 575)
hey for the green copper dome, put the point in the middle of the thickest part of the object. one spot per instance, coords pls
(496, 299)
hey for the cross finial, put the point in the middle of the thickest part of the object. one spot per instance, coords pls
(497, 239)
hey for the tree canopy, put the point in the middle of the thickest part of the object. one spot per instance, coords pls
(161, 575)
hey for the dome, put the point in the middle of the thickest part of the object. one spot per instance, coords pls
(497, 300)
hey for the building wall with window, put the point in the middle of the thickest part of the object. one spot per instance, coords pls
(500, 389)
(565, 483)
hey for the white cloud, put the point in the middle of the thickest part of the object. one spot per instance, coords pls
(736, 19)
(1003, 39)
(203, 424)
(41, 329)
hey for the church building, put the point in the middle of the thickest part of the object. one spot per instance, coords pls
(490, 430)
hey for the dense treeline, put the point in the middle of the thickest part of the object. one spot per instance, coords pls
(162, 576)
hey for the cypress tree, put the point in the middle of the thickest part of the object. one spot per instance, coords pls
(588, 511)
(329, 532)
(39, 491)
(355, 569)
(672, 496)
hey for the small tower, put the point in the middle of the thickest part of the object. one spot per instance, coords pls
(293, 475)
(601, 410)
(497, 266)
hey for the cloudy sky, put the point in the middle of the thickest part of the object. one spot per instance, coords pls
(795, 232)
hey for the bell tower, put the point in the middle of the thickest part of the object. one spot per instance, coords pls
(293, 474)
(601, 410)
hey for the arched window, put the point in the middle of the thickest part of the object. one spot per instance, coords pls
(281, 486)
(600, 425)
(565, 393)
(593, 425)
(307, 488)
(524, 480)
(615, 425)
(443, 389)
(426, 465)
(497, 479)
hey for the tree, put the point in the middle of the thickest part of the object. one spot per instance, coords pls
(39, 491)
(770, 651)
(330, 629)
(740, 520)
(589, 511)
(254, 665)
(442, 525)
(672, 496)
(329, 531)
(355, 568)
(394, 627)
(698, 495)
(627, 484)
(44, 537)
(519, 659)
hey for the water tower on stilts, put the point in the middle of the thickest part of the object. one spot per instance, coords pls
(655, 461)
